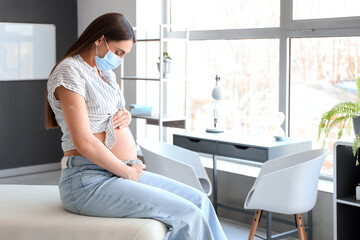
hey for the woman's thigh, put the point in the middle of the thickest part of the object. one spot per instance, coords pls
(182, 190)
(152, 196)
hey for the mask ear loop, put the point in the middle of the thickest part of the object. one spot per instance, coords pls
(96, 49)
(106, 43)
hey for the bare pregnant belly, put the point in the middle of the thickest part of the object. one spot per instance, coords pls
(124, 147)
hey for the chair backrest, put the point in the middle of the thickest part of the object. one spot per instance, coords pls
(175, 162)
(288, 184)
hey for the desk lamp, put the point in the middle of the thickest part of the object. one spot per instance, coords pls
(217, 94)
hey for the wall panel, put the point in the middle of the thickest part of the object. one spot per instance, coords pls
(24, 141)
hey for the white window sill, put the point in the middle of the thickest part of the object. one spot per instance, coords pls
(250, 169)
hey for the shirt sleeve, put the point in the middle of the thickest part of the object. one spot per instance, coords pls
(68, 75)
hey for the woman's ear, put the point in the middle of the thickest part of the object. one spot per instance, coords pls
(99, 40)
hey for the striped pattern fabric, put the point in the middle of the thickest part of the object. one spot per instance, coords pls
(102, 99)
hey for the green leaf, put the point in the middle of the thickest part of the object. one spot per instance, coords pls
(340, 117)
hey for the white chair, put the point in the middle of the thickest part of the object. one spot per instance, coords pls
(287, 185)
(175, 162)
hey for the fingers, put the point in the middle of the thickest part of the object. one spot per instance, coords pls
(139, 167)
(121, 119)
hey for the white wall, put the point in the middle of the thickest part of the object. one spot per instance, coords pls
(150, 13)
(88, 10)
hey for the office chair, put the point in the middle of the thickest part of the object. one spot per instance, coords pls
(175, 162)
(287, 185)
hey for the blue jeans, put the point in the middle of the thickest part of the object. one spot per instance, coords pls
(88, 189)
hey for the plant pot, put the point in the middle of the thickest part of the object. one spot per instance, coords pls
(166, 68)
(356, 143)
(356, 125)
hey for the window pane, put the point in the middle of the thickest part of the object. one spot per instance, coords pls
(225, 14)
(249, 76)
(323, 71)
(312, 9)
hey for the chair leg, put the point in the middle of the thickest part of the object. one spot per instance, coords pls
(255, 224)
(300, 226)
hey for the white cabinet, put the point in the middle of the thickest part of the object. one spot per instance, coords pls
(346, 207)
(146, 41)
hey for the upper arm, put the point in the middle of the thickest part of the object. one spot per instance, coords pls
(75, 114)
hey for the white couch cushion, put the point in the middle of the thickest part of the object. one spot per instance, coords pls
(34, 212)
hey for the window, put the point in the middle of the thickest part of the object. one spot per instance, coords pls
(300, 64)
(323, 72)
(249, 76)
(225, 14)
(313, 9)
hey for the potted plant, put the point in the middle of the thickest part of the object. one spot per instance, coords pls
(340, 116)
(166, 64)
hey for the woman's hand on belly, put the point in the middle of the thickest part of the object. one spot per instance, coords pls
(121, 119)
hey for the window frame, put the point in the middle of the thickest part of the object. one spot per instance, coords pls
(288, 29)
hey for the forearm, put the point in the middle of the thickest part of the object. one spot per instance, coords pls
(94, 150)
(74, 109)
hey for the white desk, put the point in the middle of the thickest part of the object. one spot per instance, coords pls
(242, 146)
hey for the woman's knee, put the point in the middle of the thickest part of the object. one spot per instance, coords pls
(195, 224)
(201, 200)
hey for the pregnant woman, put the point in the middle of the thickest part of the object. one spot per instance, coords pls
(101, 175)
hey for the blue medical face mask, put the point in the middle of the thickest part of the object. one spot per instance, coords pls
(109, 61)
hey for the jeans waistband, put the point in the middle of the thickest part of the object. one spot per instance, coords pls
(64, 162)
(74, 161)
(77, 161)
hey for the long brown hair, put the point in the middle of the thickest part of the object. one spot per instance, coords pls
(112, 25)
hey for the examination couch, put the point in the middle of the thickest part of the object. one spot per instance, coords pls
(34, 212)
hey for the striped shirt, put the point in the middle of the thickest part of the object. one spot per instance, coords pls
(102, 99)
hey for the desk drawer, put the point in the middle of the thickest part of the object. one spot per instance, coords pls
(195, 144)
(243, 152)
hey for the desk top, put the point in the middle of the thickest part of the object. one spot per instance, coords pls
(240, 145)
(244, 139)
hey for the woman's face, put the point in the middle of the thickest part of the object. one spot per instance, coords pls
(120, 48)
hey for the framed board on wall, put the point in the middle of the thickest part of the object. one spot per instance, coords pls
(27, 51)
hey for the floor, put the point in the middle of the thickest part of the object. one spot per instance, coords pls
(233, 230)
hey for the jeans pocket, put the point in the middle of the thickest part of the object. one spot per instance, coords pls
(92, 177)
(66, 196)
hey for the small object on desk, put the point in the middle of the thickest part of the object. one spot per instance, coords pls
(358, 192)
(214, 130)
(279, 138)
(279, 133)
(217, 94)
(140, 110)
